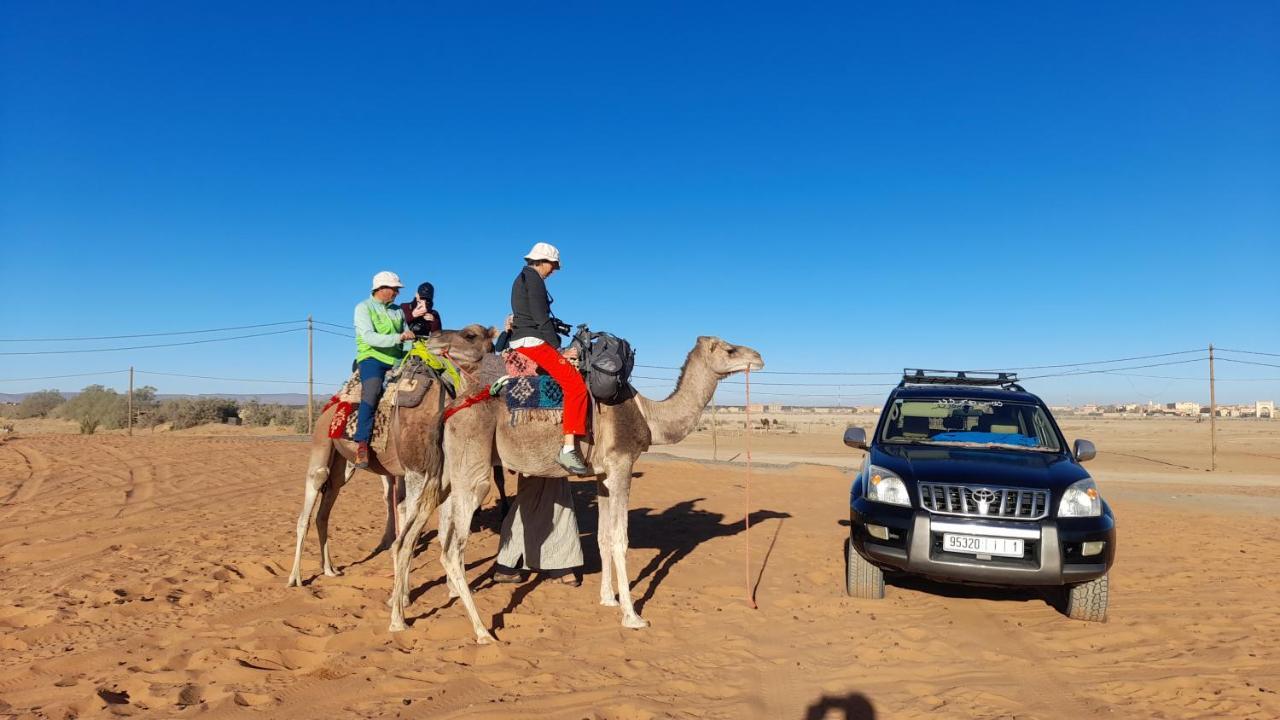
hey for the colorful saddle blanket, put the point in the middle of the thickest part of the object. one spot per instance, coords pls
(531, 396)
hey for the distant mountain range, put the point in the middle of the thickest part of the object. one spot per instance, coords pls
(296, 399)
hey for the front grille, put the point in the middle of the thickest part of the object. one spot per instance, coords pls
(1001, 502)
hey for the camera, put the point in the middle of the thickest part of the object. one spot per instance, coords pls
(562, 327)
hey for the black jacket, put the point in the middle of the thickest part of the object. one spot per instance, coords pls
(531, 308)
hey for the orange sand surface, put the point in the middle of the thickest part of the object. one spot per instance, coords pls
(145, 576)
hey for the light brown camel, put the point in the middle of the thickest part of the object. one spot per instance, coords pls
(413, 453)
(621, 433)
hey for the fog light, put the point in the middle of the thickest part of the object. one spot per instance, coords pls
(1092, 548)
(878, 531)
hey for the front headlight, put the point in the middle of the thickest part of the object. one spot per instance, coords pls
(885, 487)
(1081, 500)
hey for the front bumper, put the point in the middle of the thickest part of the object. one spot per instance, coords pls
(1052, 548)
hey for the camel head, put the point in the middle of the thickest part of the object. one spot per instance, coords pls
(466, 346)
(725, 358)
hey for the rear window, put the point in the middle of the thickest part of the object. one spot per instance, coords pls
(969, 421)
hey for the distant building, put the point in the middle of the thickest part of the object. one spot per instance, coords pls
(1187, 408)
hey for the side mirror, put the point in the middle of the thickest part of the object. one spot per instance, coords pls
(855, 437)
(1084, 451)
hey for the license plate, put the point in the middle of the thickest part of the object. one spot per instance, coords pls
(979, 545)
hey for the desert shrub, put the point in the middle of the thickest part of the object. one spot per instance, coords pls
(182, 413)
(255, 414)
(39, 404)
(259, 414)
(145, 406)
(94, 407)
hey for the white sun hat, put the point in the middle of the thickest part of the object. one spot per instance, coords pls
(386, 278)
(544, 251)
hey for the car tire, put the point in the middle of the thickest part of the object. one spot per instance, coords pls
(861, 578)
(1088, 601)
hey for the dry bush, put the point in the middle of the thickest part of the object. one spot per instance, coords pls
(182, 413)
(94, 407)
(39, 404)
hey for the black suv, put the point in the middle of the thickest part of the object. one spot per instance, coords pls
(968, 479)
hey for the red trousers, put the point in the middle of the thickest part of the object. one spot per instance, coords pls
(575, 391)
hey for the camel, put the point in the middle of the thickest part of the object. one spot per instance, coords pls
(621, 433)
(413, 453)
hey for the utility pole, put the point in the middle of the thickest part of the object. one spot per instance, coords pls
(311, 422)
(715, 451)
(130, 422)
(1213, 417)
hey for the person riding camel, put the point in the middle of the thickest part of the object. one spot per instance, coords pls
(420, 312)
(535, 333)
(380, 340)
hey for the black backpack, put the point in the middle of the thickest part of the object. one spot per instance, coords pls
(607, 361)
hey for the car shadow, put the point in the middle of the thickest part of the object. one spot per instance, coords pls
(1047, 595)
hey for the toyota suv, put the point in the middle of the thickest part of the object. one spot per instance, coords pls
(968, 479)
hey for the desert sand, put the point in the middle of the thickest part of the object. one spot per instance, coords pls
(145, 576)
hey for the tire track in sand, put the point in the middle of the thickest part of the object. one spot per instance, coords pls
(37, 467)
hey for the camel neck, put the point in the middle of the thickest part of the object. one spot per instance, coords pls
(671, 420)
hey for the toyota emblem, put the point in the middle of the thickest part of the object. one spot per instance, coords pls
(983, 497)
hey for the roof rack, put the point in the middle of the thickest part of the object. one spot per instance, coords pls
(918, 376)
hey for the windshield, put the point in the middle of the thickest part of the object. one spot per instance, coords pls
(970, 422)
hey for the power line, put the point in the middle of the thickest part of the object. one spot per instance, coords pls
(58, 377)
(1092, 362)
(1196, 379)
(1249, 352)
(148, 347)
(156, 334)
(1109, 370)
(772, 384)
(779, 372)
(209, 377)
(1250, 362)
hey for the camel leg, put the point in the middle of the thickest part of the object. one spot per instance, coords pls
(426, 497)
(604, 540)
(500, 479)
(454, 531)
(619, 485)
(328, 496)
(457, 511)
(317, 476)
(389, 494)
(412, 490)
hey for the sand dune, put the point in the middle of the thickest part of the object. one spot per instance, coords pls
(146, 576)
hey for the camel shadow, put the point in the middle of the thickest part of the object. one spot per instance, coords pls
(424, 541)
(422, 589)
(854, 706)
(675, 533)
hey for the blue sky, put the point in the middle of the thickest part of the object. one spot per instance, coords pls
(852, 188)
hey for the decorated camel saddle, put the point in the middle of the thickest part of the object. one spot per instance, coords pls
(406, 386)
(530, 394)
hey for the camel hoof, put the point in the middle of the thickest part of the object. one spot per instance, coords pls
(397, 626)
(484, 639)
(295, 581)
(332, 573)
(609, 602)
(635, 622)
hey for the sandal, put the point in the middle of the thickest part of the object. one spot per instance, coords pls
(507, 576)
(571, 580)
